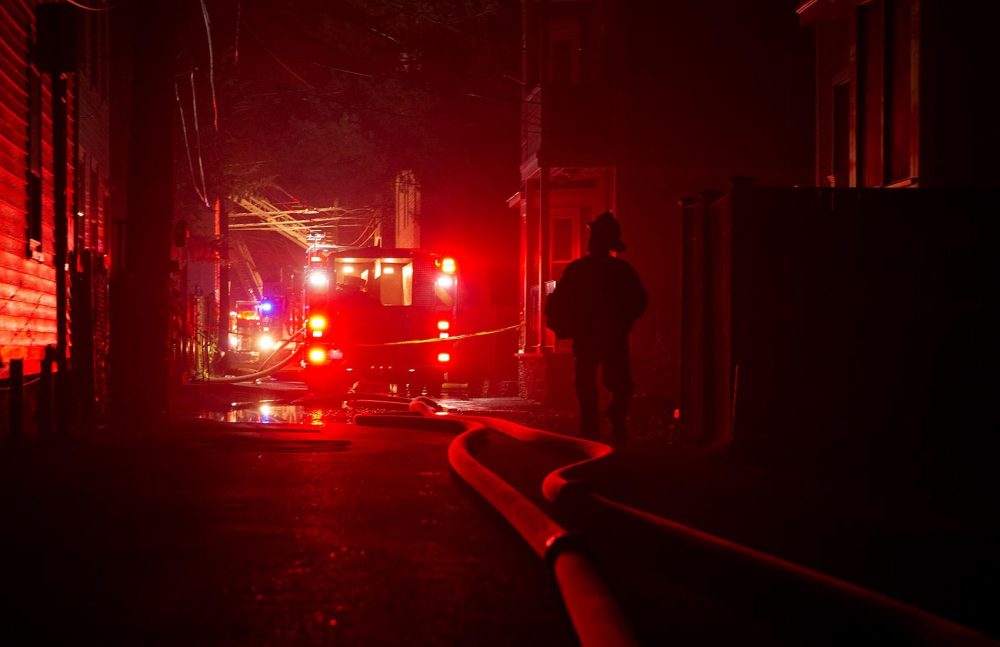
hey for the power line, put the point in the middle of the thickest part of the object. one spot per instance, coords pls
(211, 64)
(431, 18)
(80, 5)
(187, 145)
(385, 77)
(197, 139)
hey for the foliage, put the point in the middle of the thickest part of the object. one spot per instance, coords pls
(330, 100)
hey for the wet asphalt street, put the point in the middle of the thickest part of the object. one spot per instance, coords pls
(344, 535)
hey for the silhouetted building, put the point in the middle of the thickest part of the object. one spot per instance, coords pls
(903, 94)
(627, 106)
(869, 288)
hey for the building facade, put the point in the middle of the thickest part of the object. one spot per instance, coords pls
(898, 102)
(54, 198)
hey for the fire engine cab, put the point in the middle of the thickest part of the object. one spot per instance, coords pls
(378, 314)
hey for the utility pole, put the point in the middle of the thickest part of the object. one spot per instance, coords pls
(222, 213)
(60, 133)
(140, 291)
(56, 55)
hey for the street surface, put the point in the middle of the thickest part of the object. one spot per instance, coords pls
(263, 516)
(345, 535)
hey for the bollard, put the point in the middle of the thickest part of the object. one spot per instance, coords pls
(45, 392)
(16, 399)
(61, 398)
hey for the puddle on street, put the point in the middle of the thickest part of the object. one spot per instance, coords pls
(316, 413)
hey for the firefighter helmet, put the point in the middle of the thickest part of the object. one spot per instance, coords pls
(606, 231)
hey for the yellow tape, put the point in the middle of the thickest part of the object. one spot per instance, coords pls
(445, 339)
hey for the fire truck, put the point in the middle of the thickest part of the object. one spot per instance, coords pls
(252, 331)
(384, 315)
(244, 327)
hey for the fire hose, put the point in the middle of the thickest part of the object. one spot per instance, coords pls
(593, 610)
(595, 613)
(264, 372)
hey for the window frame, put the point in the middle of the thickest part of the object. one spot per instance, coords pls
(34, 163)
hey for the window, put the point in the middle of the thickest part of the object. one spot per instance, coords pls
(562, 243)
(899, 92)
(33, 227)
(870, 95)
(93, 35)
(79, 201)
(387, 280)
(568, 50)
(562, 239)
(93, 195)
(841, 135)
(562, 61)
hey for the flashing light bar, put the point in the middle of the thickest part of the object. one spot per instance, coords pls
(448, 265)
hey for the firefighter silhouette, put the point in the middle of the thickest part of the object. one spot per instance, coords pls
(595, 303)
(357, 311)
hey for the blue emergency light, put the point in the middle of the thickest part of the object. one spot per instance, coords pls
(266, 306)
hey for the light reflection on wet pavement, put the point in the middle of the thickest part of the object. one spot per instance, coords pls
(307, 412)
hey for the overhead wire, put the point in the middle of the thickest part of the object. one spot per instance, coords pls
(365, 241)
(187, 145)
(358, 241)
(211, 65)
(197, 139)
(314, 92)
(298, 77)
(264, 226)
(80, 5)
(431, 18)
(386, 77)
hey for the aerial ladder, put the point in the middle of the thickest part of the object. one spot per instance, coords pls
(274, 209)
(291, 218)
(246, 270)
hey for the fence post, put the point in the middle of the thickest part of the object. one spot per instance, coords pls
(45, 392)
(62, 400)
(16, 399)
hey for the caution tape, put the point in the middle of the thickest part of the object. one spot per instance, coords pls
(438, 340)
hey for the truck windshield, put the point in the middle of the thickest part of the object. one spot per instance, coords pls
(390, 280)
